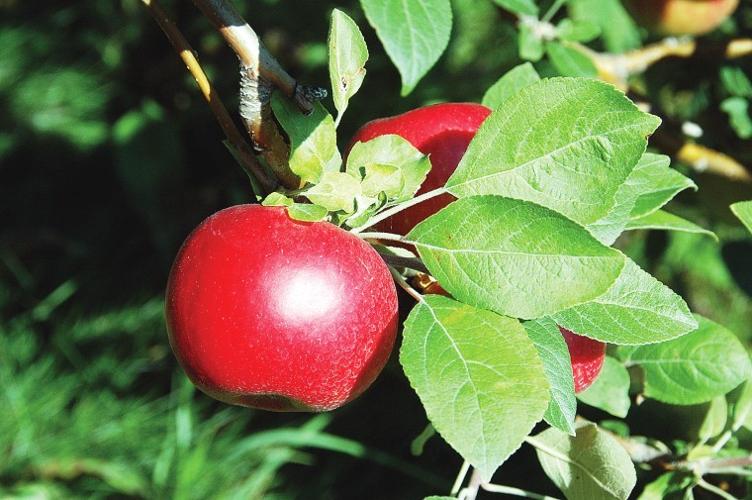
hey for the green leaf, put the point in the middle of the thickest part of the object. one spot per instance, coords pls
(313, 139)
(578, 30)
(478, 376)
(655, 183)
(347, 58)
(665, 485)
(591, 465)
(514, 257)
(365, 208)
(743, 211)
(511, 83)
(637, 309)
(307, 212)
(737, 109)
(692, 369)
(524, 7)
(414, 33)
(554, 353)
(394, 151)
(335, 191)
(610, 391)
(715, 419)
(668, 222)
(620, 33)
(735, 81)
(564, 143)
(742, 414)
(569, 61)
(529, 43)
(276, 199)
(385, 179)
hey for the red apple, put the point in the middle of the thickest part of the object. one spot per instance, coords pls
(587, 358)
(442, 131)
(681, 17)
(272, 313)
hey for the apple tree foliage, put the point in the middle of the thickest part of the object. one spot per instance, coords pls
(559, 170)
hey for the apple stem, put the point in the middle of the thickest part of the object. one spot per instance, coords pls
(398, 208)
(400, 280)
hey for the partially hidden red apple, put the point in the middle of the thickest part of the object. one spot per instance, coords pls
(681, 17)
(267, 312)
(442, 131)
(587, 358)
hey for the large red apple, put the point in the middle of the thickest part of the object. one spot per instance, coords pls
(442, 131)
(587, 358)
(681, 17)
(268, 312)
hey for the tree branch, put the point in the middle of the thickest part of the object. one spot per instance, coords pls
(259, 74)
(244, 152)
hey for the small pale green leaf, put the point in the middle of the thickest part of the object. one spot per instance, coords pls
(665, 485)
(277, 200)
(390, 150)
(508, 85)
(347, 58)
(743, 210)
(577, 31)
(313, 139)
(656, 184)
(307, 212)
(529, 43)
(620, 33)
(514, 257)
(524, 7)
(365, 208)
(591, 465)
(667, 222)
(714, 421)
(610, 391)
(554, 353)
(335, 191)
(692, 369)
(414, 33)
(382, 178)
(742, 415)
(564, 143)
(737, 109)
(650, 185)
(478, 376)
(637, 309)
(569, 61)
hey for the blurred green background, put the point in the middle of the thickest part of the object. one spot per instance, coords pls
(108, 158)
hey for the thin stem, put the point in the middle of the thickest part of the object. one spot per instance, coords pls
(722, 441)
(408, 262)
(553, 10)
(473, 486)
(244, 152)
(460, 478)
(382, 236)
(400, 280)
(398, 208)
(510, 490)
(714, 489)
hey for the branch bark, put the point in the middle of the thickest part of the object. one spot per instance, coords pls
(243, 150)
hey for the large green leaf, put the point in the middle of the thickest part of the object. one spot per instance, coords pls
(655, 183)
(666, 221)
(348, 54)
(692, 369)
(508, 85)
(514, 257)
(564, 143)
(610, 391)
(592, 465)
(478, 376)
(637, 309)
(313, 139)
(414, 33)
(743, 210)
(554, 353)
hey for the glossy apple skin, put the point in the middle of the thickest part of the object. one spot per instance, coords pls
(587, 358)
(267, 312)
(681, 17)
(442, 131)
